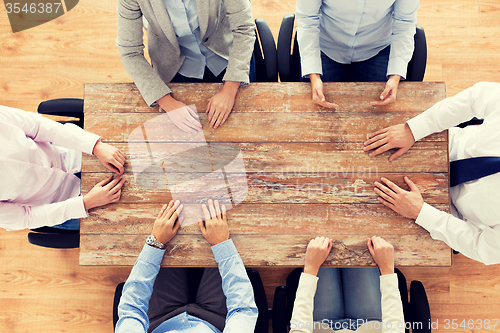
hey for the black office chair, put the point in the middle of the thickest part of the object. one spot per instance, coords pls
(262, 325)
(265, 53)
(48, 236)
(289, 59)
(415, 311)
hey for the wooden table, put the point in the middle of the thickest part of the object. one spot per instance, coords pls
(306, 171)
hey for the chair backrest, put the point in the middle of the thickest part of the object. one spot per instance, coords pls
(266, 66)
(418, 62)
(66, 107)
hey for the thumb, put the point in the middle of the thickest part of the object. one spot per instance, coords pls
(386, 91)
(370, 246)
(412, 185)
(398, 153)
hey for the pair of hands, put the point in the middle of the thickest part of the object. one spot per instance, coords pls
(108, 190)
(399, 137)
(219, 107)
(214, 228)
(388, 95)
(319, 248)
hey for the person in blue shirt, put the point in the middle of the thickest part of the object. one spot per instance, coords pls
(355, 41)
(221, 304)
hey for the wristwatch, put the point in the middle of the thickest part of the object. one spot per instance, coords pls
(152, 241)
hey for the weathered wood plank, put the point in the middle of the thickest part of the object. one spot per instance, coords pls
(412, 96)
(429, 157)
(265, 219)
(285, 187)
(251, 127)
(275, 250)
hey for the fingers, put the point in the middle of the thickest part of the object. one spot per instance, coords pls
(211, 208)
(118, 186)
(319, 98)
(221, 118)
(384, 196)
(112, 184)
(384, 96)
(209, 105)
(202, 227)
(385, 147)
(383, 130)
(386, 203)
(206, 214)
(173, 208)
(412, 185)
(374, 138)
(164, 208)
(192, 112)
(224, 214)
(398, 153)
(369, 243)
(217, 209)
(105, 181)
(392, 186)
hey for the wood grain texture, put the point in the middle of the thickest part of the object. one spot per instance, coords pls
(266, 127)
(292, 187)
(269, 97)
(282, 250)
(263, 219)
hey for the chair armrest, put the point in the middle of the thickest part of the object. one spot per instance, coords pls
(283, 49)
(418, 62)
(280, 313)
(419, 307)
(269, 51)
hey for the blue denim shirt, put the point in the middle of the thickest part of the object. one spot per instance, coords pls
(241, 309)
(184, 17)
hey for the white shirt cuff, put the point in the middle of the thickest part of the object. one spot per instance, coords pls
(426, 217)
(311, 66)
(76, 208)
(397, 66)
(419, 127)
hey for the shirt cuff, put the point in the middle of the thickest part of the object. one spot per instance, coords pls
(397, 66)
(309, 278)
(427, 216)
(224, 250)
(311, 66)
(388, 281)
(151, 254)
(88, 142)
(76, 208)
(419, 127)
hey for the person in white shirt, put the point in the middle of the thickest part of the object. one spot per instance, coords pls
(361, 301)
(38, 162)
(357, 41)
(473, 227)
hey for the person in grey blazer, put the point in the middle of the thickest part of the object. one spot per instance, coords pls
(188, 41)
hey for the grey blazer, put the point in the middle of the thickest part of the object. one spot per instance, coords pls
(226, 28)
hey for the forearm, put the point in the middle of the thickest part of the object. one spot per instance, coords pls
(392, 307)
(243, 29)
(478, 244)
(134, 303)
(131, 47)
(19, 217)
(308, 17)
(241, 309)
(303, 307)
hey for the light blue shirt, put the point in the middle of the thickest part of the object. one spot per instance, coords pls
(356, 30)
(134, 303)
(184, 17)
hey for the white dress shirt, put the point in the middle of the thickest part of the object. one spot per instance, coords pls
(392, 308)
(357, 30)
(184, 18)
(38, 159)
(474, 228)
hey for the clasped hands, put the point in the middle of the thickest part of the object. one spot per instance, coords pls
(387, 96)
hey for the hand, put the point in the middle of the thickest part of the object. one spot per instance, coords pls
(383, 254)
(317, 92)
(214, 228)
(316, 253)
(104, 193)
(167, 222)
(403, 202)
(220, 105)
(112, 158)
(397, 136)
(185, 118)
(390, 92)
